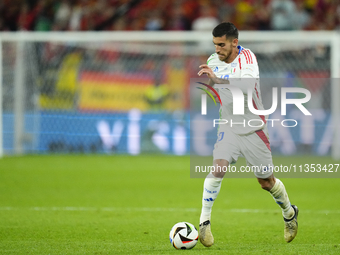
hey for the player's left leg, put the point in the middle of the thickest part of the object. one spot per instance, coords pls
(279, 193)
(290, 212)
(256, 149)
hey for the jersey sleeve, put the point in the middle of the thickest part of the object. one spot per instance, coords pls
(211, 62)
(249, 66)
(249, 69)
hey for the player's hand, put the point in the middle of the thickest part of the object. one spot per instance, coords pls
(205, 69)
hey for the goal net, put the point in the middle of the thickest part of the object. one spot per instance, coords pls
(128, 92)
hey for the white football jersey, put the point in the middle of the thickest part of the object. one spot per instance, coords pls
(244, 66)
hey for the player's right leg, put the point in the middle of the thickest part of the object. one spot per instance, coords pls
(212, 186)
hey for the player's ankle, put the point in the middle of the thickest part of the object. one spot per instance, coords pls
(289, 213)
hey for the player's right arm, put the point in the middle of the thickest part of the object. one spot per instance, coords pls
(211, 83)
(209, 69)
(205, 69)
(243, 84)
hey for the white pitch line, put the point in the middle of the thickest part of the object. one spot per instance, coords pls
(155, 209)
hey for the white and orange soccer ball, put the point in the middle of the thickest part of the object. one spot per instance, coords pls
(183, 235)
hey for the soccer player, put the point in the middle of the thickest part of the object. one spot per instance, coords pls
(229, 63)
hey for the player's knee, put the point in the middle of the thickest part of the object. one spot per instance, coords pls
(219, 166)
(266, 184)
(218, 174)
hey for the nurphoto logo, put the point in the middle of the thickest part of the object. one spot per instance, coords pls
(239, 101)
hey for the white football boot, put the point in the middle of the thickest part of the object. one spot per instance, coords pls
(291, 226)
(205, 234)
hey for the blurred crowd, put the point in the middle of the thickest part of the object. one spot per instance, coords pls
(85, 15)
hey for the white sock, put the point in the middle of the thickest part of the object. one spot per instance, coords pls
(281, 198)
(212, 186)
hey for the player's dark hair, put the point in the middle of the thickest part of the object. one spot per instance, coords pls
(226, 28)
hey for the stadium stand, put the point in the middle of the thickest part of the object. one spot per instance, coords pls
(91, 15)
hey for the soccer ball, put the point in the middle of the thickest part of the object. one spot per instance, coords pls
(183, 235)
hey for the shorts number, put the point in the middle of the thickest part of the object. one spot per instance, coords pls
(220, 136)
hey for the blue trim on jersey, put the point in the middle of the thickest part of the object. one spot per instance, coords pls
(240, 48)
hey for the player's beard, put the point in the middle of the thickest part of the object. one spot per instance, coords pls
(224, 57)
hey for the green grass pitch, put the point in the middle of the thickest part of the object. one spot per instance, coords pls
(77, 204)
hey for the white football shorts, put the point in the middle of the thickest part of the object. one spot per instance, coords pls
(254, 147)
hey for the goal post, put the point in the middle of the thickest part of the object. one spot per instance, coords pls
(41, 82)
(335, 75)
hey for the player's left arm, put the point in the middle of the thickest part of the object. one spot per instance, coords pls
(249, 72)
